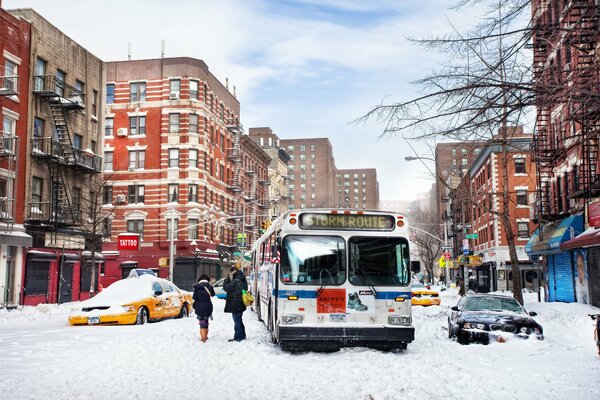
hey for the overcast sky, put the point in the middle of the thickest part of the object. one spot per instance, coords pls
(305, 68)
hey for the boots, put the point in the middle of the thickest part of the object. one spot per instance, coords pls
(204, 334)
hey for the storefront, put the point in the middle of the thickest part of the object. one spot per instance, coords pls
(559, 265)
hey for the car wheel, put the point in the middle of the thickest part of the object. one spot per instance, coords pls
(183, 312)
(450, 335)
(142, 316)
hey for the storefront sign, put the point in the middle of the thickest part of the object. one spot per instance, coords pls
(128, 241)
(594, 213)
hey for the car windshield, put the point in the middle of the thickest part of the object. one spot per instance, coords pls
(379, 261)
(493, 304)
(313, 260)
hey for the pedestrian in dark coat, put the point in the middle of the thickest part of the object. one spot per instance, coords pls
(233, 286)
(203, 306)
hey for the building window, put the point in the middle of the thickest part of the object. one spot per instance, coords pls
(107, 194)
(110, 93)
(109, 126)
(302, 148)
(136, 194)
(175, 89)
(290, 147)
(107, 227)
(77, 140)
(194, 90)
(521, 197)
(138, 92)
(137, 125)
(193, 193)
(463, 151)
(523, 228)
(453, 151)
(36, 191)
(76, 198)
(174, 123)
(193, 123)
(38, 127)
(520, 165)
(173, 158)
(192, 228)
(175, 228)
(312, 147)
(193, 158)
(10, 71)
(94, 102)
(136, 226)
(173, 193)
(137, 159)
(108, 161)
(302, 157)
(465, 161)
(60, 82)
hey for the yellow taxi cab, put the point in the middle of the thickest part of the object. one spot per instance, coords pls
(423, 296)
(134, 300)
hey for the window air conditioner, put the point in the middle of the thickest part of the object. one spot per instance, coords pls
(131, 169)
(122, 131)
(174, 96)
(120, 199)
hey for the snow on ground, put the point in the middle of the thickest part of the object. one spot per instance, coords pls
(41, 357)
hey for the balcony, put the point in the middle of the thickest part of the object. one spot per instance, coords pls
(48, 148)
(8, 144)
(58, 91)
(43, 212)
(6, 209)
(9, 85)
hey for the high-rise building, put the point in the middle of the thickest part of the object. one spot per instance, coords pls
(312, 172)
(358, 188)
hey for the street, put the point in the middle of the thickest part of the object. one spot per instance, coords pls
(42, 357)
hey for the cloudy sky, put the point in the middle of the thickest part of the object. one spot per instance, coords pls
(305, 68)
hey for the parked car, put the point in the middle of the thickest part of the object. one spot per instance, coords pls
(137, 272)
(134, 300)
(424, 296)
(486, 317)
(218, 286)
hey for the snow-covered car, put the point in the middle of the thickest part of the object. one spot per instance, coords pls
(424, 296)
(218, 286)
(134, 300)
(487, 317)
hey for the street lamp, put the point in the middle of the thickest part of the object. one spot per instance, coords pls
(414, 158)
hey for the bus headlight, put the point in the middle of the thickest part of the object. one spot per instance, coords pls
(399, 320)
(292, 319)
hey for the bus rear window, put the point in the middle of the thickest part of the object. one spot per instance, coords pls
(378, 261)
(313, 260)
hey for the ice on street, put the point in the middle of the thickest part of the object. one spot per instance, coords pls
(42, 357)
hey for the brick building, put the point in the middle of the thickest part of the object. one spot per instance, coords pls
(358, 188)
(312, 172)
(566, 73)
(476, 206)
(279, 193)
(173, 144)
(15, 37)
(63, 164)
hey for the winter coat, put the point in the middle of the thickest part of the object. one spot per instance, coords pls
(202, 303)
(233, 288)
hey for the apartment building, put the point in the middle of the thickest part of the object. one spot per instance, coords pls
(173, 152)
(15, 37)
(63, 164)
(312, 172)
(358, 188)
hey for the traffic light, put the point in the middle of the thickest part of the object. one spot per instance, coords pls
(264, 225)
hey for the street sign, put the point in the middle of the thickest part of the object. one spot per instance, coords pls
(472, 236)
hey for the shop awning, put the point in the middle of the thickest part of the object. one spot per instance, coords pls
(553, 235)
(16, 239)
(591, 237)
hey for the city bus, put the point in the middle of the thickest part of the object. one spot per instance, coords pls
(323, 279)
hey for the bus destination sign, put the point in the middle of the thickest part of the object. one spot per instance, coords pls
(363, 222)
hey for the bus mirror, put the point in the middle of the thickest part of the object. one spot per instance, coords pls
(415, 266)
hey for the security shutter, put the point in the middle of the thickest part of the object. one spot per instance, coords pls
(184, 275)
(86, 278)
(560, 278)
(593, 268)
(37, 272)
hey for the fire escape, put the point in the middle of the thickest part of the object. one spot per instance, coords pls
(571, 85)
(235, 156)
(64, 161)
(9, 150)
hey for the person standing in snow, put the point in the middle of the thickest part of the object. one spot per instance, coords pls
(233, 286)
(203, 306)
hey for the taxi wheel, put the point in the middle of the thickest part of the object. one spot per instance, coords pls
(142, 316)
(183, 313)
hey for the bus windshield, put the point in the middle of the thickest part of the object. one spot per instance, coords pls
(313, 260)
(379, 261)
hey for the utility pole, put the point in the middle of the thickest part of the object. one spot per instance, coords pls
(171, 244)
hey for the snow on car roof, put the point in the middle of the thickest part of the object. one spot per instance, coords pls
(123, 292)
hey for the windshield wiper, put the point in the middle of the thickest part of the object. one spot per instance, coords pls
(367, 281)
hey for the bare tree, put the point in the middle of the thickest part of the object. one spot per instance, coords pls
(426, 238)
(486, 86)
